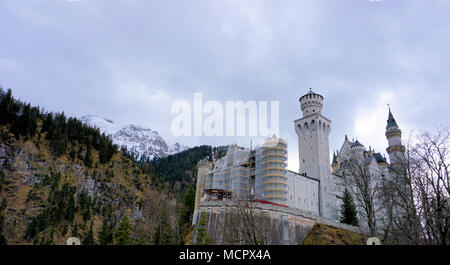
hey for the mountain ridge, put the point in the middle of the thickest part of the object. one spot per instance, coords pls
(140, 140)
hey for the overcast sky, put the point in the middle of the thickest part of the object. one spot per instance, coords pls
(129, 60)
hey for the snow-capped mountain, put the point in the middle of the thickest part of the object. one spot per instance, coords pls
(140, 140)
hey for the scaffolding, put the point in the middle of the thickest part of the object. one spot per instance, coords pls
(271, 180)
(231, 173)
(258, 174)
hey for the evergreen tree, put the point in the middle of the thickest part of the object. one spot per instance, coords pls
(2, 180)
(50, 238)
(105, 236)
(348, 210)
(202, 237)
(163, 231)
(88, 157)
(26, 123)
(123, 232)
(58, 142)
(89, 240)
(75, 231)
(180, 166)
(8, 108)
(3, 240)
(189, 203)
(85, 205)
(32, 230)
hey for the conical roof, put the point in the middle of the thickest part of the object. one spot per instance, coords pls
(334, 159)
(356, 143)
(391, 121)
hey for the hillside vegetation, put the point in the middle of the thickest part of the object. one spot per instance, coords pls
(62, 178)
(180, 170)
(321, 234)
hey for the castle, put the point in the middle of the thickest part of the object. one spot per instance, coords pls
(261, 176)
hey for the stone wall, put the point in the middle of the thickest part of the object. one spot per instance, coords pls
(284, 226)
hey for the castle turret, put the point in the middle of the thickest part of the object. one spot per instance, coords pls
(313, 130)
(357, 150)
(203, 167)
(395, 149)
(334, 164)
(311, 103)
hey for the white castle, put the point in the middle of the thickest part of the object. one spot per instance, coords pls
(260, 175)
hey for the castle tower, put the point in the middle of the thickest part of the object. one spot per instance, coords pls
(313, 130)
(334, 164)
(357, 150)
(203, 167)
(395, 149)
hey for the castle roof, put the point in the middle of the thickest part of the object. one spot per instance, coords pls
(334, 159)
(391, 121)
(379, 158)
(356, 143)
(310, 92)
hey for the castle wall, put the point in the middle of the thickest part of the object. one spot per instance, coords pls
(303, 193)
(284, 226)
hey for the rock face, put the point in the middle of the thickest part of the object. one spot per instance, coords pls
(30, 167)
(140, 140)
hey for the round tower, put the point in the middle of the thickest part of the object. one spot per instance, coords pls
(311, 103)
(395, 150)
(203, 167)
(313, 130)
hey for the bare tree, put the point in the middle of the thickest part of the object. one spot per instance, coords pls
(430, 181)
(364, 185)
(418, 192)
(402, 224)
(160, 216)
(244, 226)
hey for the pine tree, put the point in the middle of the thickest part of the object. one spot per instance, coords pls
(75, 231)
(105, 235)
(189, 203)
(202, 237)
(2, 180)
(89, 240)
(3, 240)
(50, 238)
(88, 157)
(163, 231)
(348, 210)
(58, 142)
(8, 108)
(123, 232)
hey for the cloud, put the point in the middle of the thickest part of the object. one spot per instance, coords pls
(130, 60)
(370, 121)
(9, 65)
(141, 92)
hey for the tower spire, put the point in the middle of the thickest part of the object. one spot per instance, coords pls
(391, 121)
(395, 148)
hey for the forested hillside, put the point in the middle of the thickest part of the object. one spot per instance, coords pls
(180, 170)
(62, 178)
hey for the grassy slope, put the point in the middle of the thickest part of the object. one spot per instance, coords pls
(326, 235)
